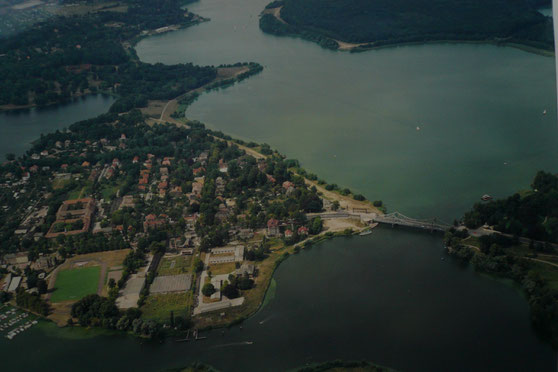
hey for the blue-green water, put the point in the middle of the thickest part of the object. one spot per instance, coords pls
(392, 297)
(20, 128)
(353, 118)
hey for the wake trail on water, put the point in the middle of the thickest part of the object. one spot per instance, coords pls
(233, 344)
(265, 320)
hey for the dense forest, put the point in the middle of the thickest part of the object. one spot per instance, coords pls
(384, 22)
(69, 56)
(532, 214)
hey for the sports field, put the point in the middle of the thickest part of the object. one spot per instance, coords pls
(73, 284)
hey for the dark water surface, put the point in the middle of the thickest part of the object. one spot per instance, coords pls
(19, 128)
(392, 297)
(353, 118)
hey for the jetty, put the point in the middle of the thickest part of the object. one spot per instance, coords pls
(13, 321)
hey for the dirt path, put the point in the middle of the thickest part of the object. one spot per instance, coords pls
(541, 261)
(102, 276)
(51, 281)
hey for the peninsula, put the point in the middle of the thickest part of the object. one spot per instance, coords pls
(515, 238)
(357, 25)
(157, 224)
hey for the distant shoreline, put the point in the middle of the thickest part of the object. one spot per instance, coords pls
(344, 46)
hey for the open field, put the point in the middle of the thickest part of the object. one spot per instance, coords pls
(109, 258)
(102, 261)
(225, 268)
(76, 194)
(109, 191)
(59, 183)
(73, 284)
(547, 272)
(159, 306)
(175, 265)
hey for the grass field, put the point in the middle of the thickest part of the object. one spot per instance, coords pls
(109, 191)
(224, 268)
(182, 265)
(73, 284)
(59, 183)
(159, 306)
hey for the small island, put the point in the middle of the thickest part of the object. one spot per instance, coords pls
(357, 25)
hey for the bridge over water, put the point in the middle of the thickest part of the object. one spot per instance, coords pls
(393, 219)
(399, 219)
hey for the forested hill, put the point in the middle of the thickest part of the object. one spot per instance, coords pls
(397, 21)
(68, 56)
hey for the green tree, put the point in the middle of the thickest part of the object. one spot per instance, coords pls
(208, 289)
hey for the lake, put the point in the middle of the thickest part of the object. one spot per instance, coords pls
(353, 118)
(392, 297)
(19, 128)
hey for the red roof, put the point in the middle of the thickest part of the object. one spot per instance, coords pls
(287, 184)
(272, 222)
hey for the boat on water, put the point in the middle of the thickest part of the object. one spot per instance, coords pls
(368, 231)
(486, 197)
(544, 112)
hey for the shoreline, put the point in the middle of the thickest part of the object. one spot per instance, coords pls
(345, 46)
(287, 251)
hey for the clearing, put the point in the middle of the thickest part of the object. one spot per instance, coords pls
(73, 284)
(174, 265)
(159, 306)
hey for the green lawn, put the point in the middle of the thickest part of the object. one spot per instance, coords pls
(548, 272)
(182, 265)
(73, 284)
(76, 194)
(159, 306)
(109, 191)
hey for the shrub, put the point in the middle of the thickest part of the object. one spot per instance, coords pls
(208, 289)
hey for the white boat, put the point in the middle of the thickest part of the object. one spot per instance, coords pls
(544, 112)
(368, 231)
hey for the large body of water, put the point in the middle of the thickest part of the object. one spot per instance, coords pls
(20, 128)
(388, 297)
(352, 118)
(392, 297)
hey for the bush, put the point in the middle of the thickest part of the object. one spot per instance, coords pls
(378, 203)
(359, 197)
(208, 289)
